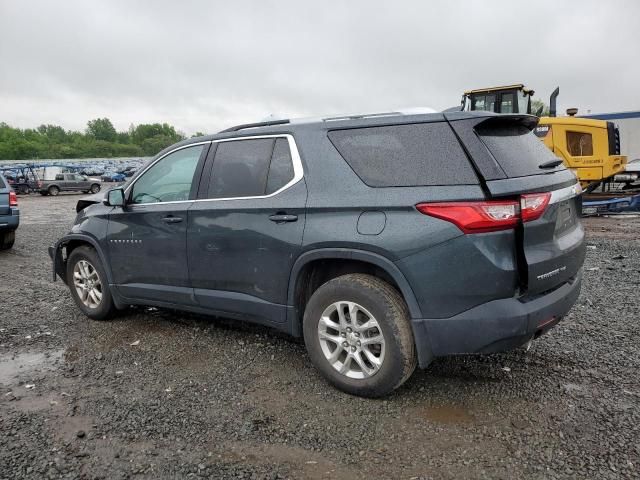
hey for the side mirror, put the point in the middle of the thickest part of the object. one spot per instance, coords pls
(114, 198)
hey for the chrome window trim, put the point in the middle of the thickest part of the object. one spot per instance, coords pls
(298, 172)
(566, 193)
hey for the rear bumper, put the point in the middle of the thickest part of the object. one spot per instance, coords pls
(9, 223)
(494, 326)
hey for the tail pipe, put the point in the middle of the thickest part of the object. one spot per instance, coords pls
(552, 102)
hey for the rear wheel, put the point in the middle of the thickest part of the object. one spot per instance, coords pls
(53, 191)
(7, 239)
(358, 334)
(88, 283)
(95, 188)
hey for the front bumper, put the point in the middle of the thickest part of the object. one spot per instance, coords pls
(494, 326)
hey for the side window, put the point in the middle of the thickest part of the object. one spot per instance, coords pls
(170, 179)
(240, 168)
(579, 144)
(405, 155)
(484, 102)
(59, 176)
(281, 169)
(506, 103)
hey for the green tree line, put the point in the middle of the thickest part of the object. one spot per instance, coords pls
(100, 139)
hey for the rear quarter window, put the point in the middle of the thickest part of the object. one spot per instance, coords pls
(419, 154)
(516, 149)
(2, 183)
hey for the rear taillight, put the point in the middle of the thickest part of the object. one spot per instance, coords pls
(488, 216)
(475, 217)
(13, 199)
(533, 205)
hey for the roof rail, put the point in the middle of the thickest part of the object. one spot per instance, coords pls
(255, 125)
(358, 116)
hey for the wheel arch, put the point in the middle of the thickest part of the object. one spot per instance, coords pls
(362, 257)
(70, 243)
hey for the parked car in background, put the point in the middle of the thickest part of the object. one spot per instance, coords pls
(113, 177)
(9, 215)
(69, 182)
(384, 240)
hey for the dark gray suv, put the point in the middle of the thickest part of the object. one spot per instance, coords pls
(384, 240)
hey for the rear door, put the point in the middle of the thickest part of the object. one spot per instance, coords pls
(245, 229)
(516, 164)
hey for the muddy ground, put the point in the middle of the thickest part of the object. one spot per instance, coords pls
(157, 394)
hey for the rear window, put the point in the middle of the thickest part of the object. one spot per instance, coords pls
(2, 184)
(418, 154)
(516, 149)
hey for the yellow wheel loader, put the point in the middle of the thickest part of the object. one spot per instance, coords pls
(589, 147)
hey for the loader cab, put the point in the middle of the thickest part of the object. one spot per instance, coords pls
(506, 99)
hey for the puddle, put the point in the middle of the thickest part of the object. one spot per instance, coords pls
(447, 414)
(15, 366)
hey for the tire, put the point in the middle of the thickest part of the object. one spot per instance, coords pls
(7, 239)
(395, 355)
(53, 191)
(96, 310)
(95, 188)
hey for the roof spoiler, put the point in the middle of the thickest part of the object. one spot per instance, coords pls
(489, 118)
(528, 121)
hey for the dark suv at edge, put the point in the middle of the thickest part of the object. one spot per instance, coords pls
(383, 240)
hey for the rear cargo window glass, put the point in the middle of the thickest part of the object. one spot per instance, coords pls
(2, 184)
(405, 155)
(240, 168)
(579, 144)
(516, 149)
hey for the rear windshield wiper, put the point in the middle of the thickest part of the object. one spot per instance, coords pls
(550, 164)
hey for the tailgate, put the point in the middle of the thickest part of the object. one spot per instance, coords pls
(553, 246)
(513, 162)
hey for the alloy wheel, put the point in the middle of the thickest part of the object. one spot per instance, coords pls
(87, 284)
(351, 340)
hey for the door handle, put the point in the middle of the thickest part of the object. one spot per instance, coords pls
(172, 219)
(283, 218)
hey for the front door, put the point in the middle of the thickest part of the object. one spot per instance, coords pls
(147, 238)
(245, 230)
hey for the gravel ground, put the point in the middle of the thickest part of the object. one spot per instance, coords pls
(201, 397)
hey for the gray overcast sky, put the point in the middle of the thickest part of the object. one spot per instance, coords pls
(206, 65)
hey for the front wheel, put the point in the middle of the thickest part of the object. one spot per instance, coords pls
(95, 188)
(88, 283)
(358, 334)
